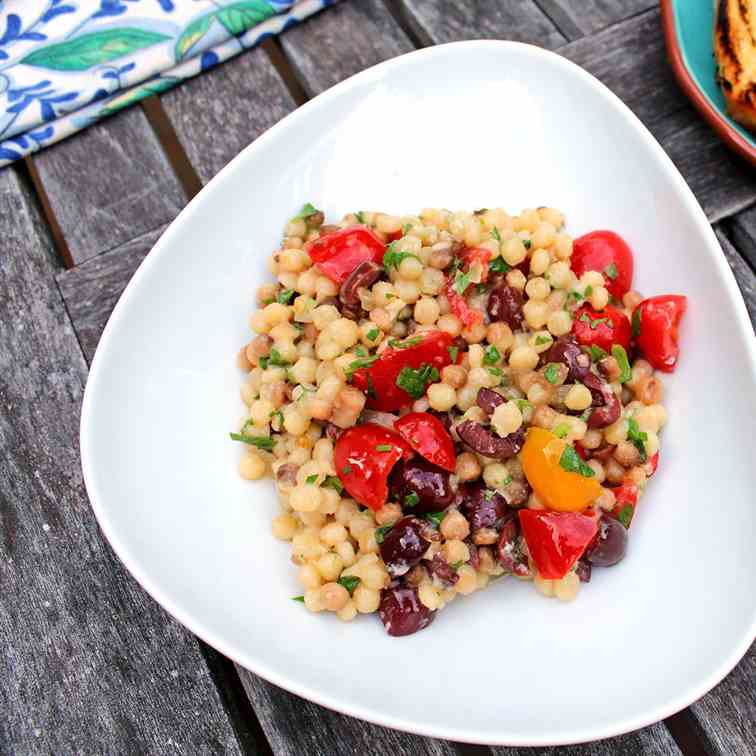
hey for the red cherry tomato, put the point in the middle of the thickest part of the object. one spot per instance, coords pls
(394, 235)
(337, 254)
(556, 540)
(607, 253)
(625, 499)
(655, 324)
(652, 464)
(478, 255)
(379, 381)
(427, 436)
(364, 456)
(601, 328)
(458, 304)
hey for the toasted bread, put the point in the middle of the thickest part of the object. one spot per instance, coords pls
(735, 51)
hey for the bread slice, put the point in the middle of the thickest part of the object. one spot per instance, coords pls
(735, 51)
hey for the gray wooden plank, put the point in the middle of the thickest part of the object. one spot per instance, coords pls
(575, 19)
(295, 726)
(745, 278)
(630, 59)
(650, 741)
(726, 715)
(90, 663)
(437, 21)
(109, 184)
(743, 229)
(90, 290)
(219, 113)
(349, 37)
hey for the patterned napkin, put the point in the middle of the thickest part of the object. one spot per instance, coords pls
(64, 64)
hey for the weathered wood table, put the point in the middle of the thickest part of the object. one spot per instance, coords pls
(89, 663)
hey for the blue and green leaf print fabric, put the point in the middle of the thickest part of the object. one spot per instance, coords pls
(64, 64)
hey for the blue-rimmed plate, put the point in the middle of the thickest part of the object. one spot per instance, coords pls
(689, 34)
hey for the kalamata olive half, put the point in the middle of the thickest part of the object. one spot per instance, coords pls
(403, 546)
(566, 351)
(363, 276)
(583, 570)
(610, 544)
(483, 507)
(511, 556)
(607, 407)
(505, 305)
(443, 571)
(488, 443)
(488, 400)
(401, 611)
(429, 483)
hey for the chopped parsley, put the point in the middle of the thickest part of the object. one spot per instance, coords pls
(488, 494)
(346, 469)
(380, 533)
(597, 353)
(570, 461)
(273, 359)
(506, 481)
(372, 334)
(456, 565)
(411, 499)
(370, 387)
(298, 598)
(393, 258)
(523, 404)
(577, 295)
(406, 228)
(637, 437)
(491, 356)
(277, 416)
(594, 324)
(494, 371)
(636, 323)
(461, 282)
(363, 362)
(307, 210)
(311, 479)
(266, 443)
(406, 344)
(414, 381)
(588, 290)
(333, 482)
(435, 518)
(625, 515)
(453, 353)
(360, 351)
(495, 233)
(499, 265)
(527, 243)
(360, 217)
(350, 582)
(551, 373)
(384, 447)
(285, 296)
(611, 271)
(541, 340)
(561, 430)
(619, 354)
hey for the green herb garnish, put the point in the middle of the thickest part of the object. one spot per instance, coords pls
(541, 340)
(311, 479)
(360, 217)
(306, 211)
(285, 296)
(380, 533)
(372, 334)
(393, 259)
(570, 461)
(637, 437)
(597, 353)
(461, 282)
(594, 324)
(453, 353)
(588, 290)
(527, 243)
(384, 447)
(561, 430)
(298, 598)
(522, 404)
(435, 518)
(273, 359)
(625, 515)
(495, 233)
(636, 323)
(411, 499)
(405, 344)
(577, 295)
(494, 371)
(456, 565)
(414, 381)
(619, 354)
(611, 271)
(346, 469)
(266, 443)
(499, 265)
(350, 582)
(363, 362)
(491, 356)
(551, 373)
(333, 482)
(488, 494)
(406, 228)
(360, 351)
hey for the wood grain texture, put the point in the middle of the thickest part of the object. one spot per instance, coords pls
(92, 289)
(743, 231)
(575, 19)
(109, 184)
(743, 275)
(437, 21)
(630, 59)
(343, 40)
(650, 741)
(90, 664)
(295, 726)
(218, 114)
(727, 715)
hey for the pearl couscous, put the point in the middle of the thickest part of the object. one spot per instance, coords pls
(449, 398)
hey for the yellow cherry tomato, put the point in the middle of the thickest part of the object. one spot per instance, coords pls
(556, 487)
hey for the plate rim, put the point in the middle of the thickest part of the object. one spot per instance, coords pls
(259, 666)
(713, 115)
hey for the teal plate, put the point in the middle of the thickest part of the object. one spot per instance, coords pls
(689, 33)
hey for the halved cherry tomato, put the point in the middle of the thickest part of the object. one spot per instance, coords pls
(379, 381)
(364, 456)
(473, 256)
(428, 437)
(625, 499)
(655, 323)
(479, 255)
(394, 235)
(556, 540)
(602, 328)
(337, 254)
(546, 470)
(607, 253)
(651, 465)
(459, 306)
